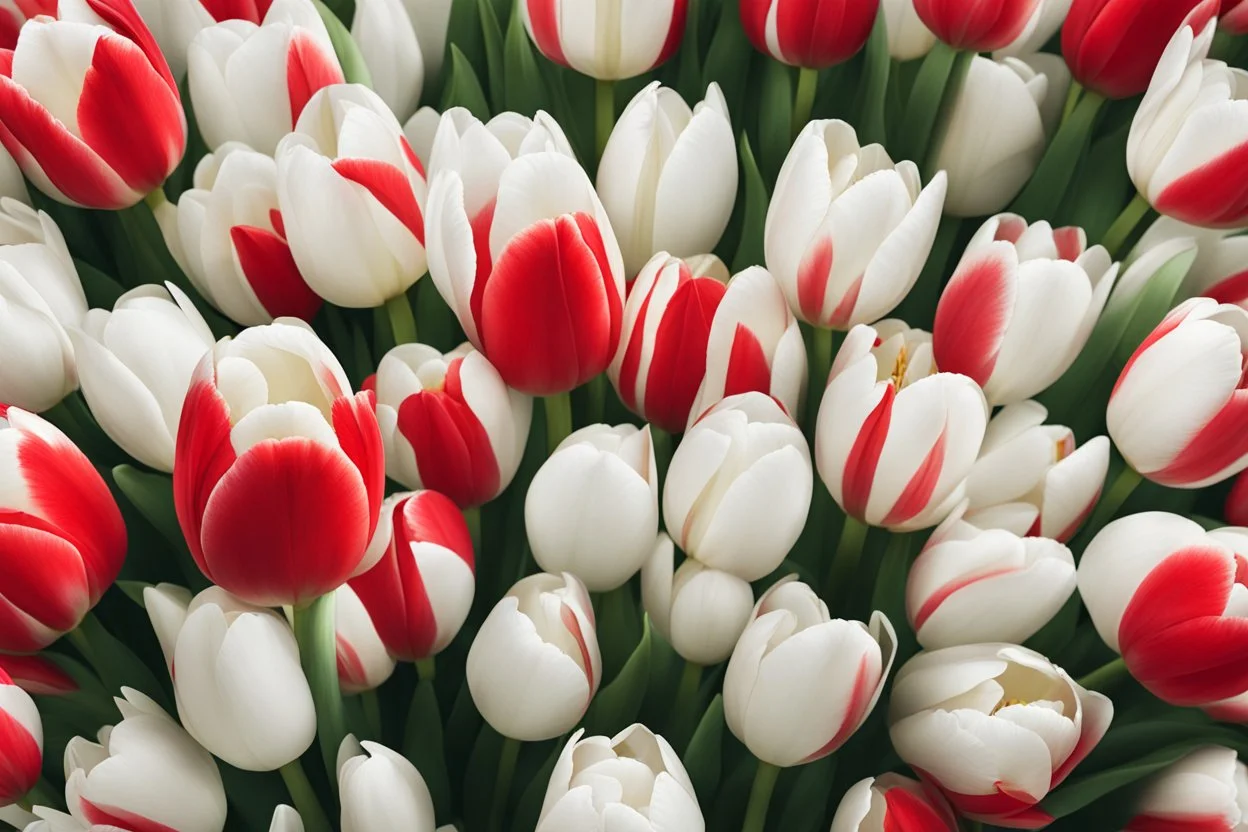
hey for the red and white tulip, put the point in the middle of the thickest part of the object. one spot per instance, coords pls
(13, 13)
(892, 803)
(603, 39)
(380, 788)
(387, 40)
(1206, 790)
(175, 23)
(1045, 22)
(812, 35)
(21, 741)
(38, 676)
(363, 661)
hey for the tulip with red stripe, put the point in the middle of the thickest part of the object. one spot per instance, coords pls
(895, 439)
(419, 593)
(1234, 18)
(363, 662)
(21, 741)
(1220, 270)
(108, 128)
(38, 676)
(1205, 791)
(892, 803)
(62, 539)
(279, 471)
(812, 34)
(604, 39)
(13, 13)
(995, 727)
(1179, 410)
(976, 27)
(449, 423)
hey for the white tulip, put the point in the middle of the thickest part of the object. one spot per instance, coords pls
(387, 40)
(381, 789)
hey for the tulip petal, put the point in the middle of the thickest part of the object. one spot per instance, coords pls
(271, 273)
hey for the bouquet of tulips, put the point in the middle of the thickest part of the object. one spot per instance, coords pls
(623, 415)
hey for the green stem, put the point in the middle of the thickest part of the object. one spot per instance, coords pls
(804, 100)
(558, 419)
(1113, 499)
(662, 441)
(597, 398)
(1072, 100)
(760, 797)
(823, 343)
(372, 712)
(402, 319)
(502, 784)
(1120, 231)
(304, 797)
(427, 669)
(156, 198)
(684, 714)
(604, 114)
(318, 653)
(845, 561)
(472, 516)
(1106, 676)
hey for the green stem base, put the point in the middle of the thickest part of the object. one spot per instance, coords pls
(604, 115)
(1106, 677)
(502, 785)
(402, 319)
(318, 653)
(760, 797)
(1131, 216)
(304, 797)
(558, 419)
(804, 100)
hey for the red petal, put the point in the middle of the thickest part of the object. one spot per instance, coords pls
(10, 24)
(574, 627)
(864, 456)
(754, 21)
(355, 423)
(678, 363)
(1233, 289)
(1191, 583)
(115, 818)
(20, 759)
(821, 33)
(971, 319)
(918, 492)
(272, 274)
(481, 225)
(308, 69)
(390, 187)
(1070, 243)
(812, 279)
(124, 18)
(630, 367)
(43, 578)
(976, 27)
(544, 20)
(675, 33)
(1006, 807)
(1215, 447)
(907, 812)
(1170, 823)
(1213, 195)
(1168, 324)
(37, 675)
(236, 9)
(747, 365)
(203, 454)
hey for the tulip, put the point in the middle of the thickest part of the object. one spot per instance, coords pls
(38, 676)
(812, 35)
(278, 471)
(67, 130)
(144, 773)
(1030, 478)
(739, 487)
(634, 779)
(1176, 412)
(519, 244)
(387, 40)
(249, 83)
(700, 611)
(1220, 270)
(534, 666)
(175, 23)
(21, 749)
(236, 675)
(1113, 46)
(1020, 306)
(62, 538)
(1206, 789)
(419, 593)
(135, 364)
(227, 235)
(892, 803)
(977, 27)
(908, 38)
(450, 423)
(1191, 167)
(896, 440)
(40, 295)
(420, 131)
(603, 39)
(363, 663)
(848, 231)
(352, 194)
(381, 789)
(592, 509)
(286, 819)
(1234, 17)
(799, 682)
(668, 176)
(1045, 22)
(13, 13)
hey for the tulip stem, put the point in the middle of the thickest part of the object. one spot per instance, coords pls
(318, 653)
(304, 796)
(1123, 486)
(402, 319)
(1107, 676)
(502, 784)
(1120, 231)
(845, 560)
(684, 710)
(156, 198)
(1072, 101)
(760, 797)
(823, 345)
(558, 419)
(604, 114)
(372, 712)
(804, 100)
(427, 669)
(472, 516)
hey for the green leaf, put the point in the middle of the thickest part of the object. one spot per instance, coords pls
(1126, 744)
(530, 805)
(423, 745)
(704, 758)
(750, 248)
(728, 59)
(102, 290)
(689, 72)
(480, 777)
(1102, 187)
(524, 90)
(354, 70)
(616, 706)
(931, 88)
(889, 594)
(492, 35)
(803, 812)
(1048, 185)
(463, 89)
(873, 91)
(1081, 792)
(116, 664)
(775, 117)
(152, 495)
(463, 33)
(1157, 299)
(134, 590)
(253, 795)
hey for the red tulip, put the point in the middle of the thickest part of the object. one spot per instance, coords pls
(812, 34)
(37, 675)
(21, 742)
(983, 26)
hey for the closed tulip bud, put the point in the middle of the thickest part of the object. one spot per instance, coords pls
(1206, 789)
(249, 83)
(534, 666)
(700, 611)
(1113, 46)
(977, 27)
(236, 676)
(286, 819)
(739, 487)
(279, 471)
(592, 509)
(848, 231)
(419, 593)
(908, 37)
(449, 423)
(1020, 306)
(812, 35)
(895, 439)
(1045, 22)
(387, 40)
(228, 236)
(363, 663)
(1030, 478)
(145, 772)
(892, 803)
(381, 789)
(1191, 168)
(138, 400)
(799, 682)
(420, 131)
(668, 176)
(14, 13)
(38, 676)
(40, 295)
(603, 39)
(1022, 720)
(1176, 412)
(62, 539)
(21, 741)
(1234, 17)
(634, 778)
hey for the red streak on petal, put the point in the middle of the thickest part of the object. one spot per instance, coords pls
(918, 492)
(570, 621)
(864, 456)
(308, 69)
(544, 20)
(112, 816)
(1070, 243)
(812, 279)
(1214, 194)
(1233, 289)
(679, 361)
(942, 594)
(20, 759)
(271, 272)
(748, 371)
(1168, 324)
(972, 318)
(865, 683)
(675, 33)
(389, 186)
(481, 225)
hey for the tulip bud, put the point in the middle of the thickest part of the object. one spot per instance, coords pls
(62, 539)
(381, 789)
(286, 819)
(236, 675)
(40, 295)
(700, 611)
(1175, 412)
(1031, 480)
(634, 777)
(21, 741)
(800, 683)
(1020, 306)
(145, 772)
(603, 39)
(892, 803)
(420, 131)
(977, 27)
(534, 666)
(228, 236)
(1220, 270)
(1174, 163)
(38, 676)
(995, 727)
(449, 423)
(249, 83)
(739, 487)
(812, 35)
(419, 593)
(363, 663)
(1207, 789)
(14, 13)
(848, 231)
(908, 37)
(1121, 65)
(895, 439)
(1045, 22)
(279, 471)
(138, 400)
(387, 40)
(668, 176)
(1234, 17)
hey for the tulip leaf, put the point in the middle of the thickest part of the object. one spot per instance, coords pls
(523, 89)
(728, 59)
(873, 90)
(354, 70)
(463, 34)
(463, 89)
(102, 291)
(530, 805)
(1154, 302)
(1102, 186)
(808, 800)
(889, 594)
(750, 248)
(116, 664)
(689, 71)
(423, 745)
(775, 117)
(253, 795)
(1126, 744)
(616, 706)
(1078, 793)
(152, 495)
(1044, 193)
(318, 653)
(480, 777)
(929, 94)
(134, 590)
(492, 34)
(704, 758)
